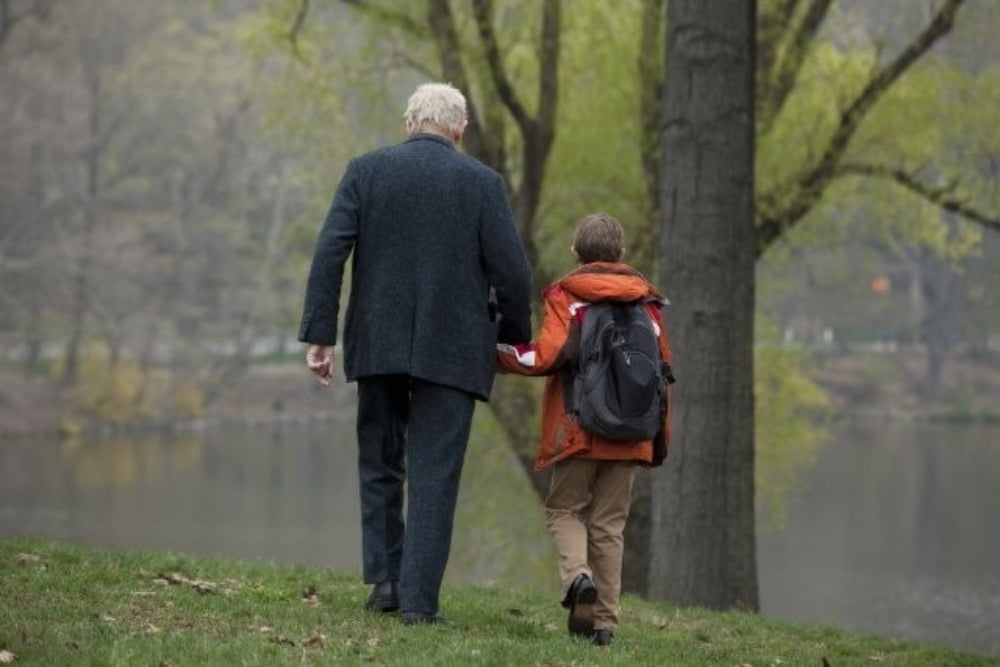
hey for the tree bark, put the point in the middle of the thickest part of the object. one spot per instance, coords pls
(703, 540)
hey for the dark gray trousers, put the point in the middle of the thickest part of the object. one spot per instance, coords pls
(407, 425)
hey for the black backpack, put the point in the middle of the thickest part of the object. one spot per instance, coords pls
(620, 385)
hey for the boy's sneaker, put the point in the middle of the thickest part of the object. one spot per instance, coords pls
(602, 638)
(580, 599)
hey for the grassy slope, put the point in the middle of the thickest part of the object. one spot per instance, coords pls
(63, 604)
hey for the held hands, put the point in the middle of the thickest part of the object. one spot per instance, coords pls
(319, 359)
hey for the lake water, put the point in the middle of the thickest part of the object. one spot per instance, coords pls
(895, 530)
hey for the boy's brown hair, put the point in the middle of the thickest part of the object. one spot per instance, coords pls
(599, 238)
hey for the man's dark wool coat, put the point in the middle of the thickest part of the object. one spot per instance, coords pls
(431, 231)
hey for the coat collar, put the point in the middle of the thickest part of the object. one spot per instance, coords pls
(421, 136)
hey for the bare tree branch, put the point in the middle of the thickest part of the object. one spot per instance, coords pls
(650, 67)
(401, 56)
(293, 32)
(944, 196)
(548, 79)
(442, 24)
(8, 18)
(539, 135)
(772, 28)
(780, 80)
(812, 184)
(483, 10)
(479, 139)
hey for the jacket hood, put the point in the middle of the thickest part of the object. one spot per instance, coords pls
(603, 281)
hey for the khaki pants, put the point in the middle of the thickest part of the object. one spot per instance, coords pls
(585, 513)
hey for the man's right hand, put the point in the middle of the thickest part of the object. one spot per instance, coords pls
(319, 358)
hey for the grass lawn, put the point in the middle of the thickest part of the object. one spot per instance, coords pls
(66, 604)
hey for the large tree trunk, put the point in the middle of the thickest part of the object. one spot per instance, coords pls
(638, 545)
(703, 541)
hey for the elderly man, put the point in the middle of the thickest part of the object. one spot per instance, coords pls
(431, 231)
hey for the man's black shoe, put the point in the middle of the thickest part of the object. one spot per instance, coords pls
(418, 618)
(384, 597)
(602, 638)
(580, 597)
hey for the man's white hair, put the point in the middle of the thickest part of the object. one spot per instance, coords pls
(438, 103)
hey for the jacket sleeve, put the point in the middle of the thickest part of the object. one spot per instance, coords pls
(546, 355)
(506, 264)
(334, 246)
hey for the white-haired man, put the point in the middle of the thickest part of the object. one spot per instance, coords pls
(431, 233)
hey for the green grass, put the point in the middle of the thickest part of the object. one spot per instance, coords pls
(66, 604)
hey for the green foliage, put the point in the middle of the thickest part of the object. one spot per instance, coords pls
(936, 122)
(78, 605)
(188, 401)
(595, 164)
(108, 392)
(788, 411)
(808, 118)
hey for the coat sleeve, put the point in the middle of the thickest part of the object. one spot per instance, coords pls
(546, 355)
(334, 246)
(661, 442)
(505, 263)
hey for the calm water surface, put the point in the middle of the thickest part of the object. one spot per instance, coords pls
(895, 530)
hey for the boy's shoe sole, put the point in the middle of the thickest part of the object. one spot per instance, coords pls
(581, 597)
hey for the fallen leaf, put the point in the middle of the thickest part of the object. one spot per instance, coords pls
(178, 579)
(311, 596)
(6, 657)
(317, 641)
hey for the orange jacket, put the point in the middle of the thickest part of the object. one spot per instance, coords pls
(556, 350)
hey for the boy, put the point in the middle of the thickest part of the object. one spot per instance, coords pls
(591, 484)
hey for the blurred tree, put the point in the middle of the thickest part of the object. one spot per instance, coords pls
(147, 205)
(13, 12)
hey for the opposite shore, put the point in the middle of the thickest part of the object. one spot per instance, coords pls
(860, 385)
